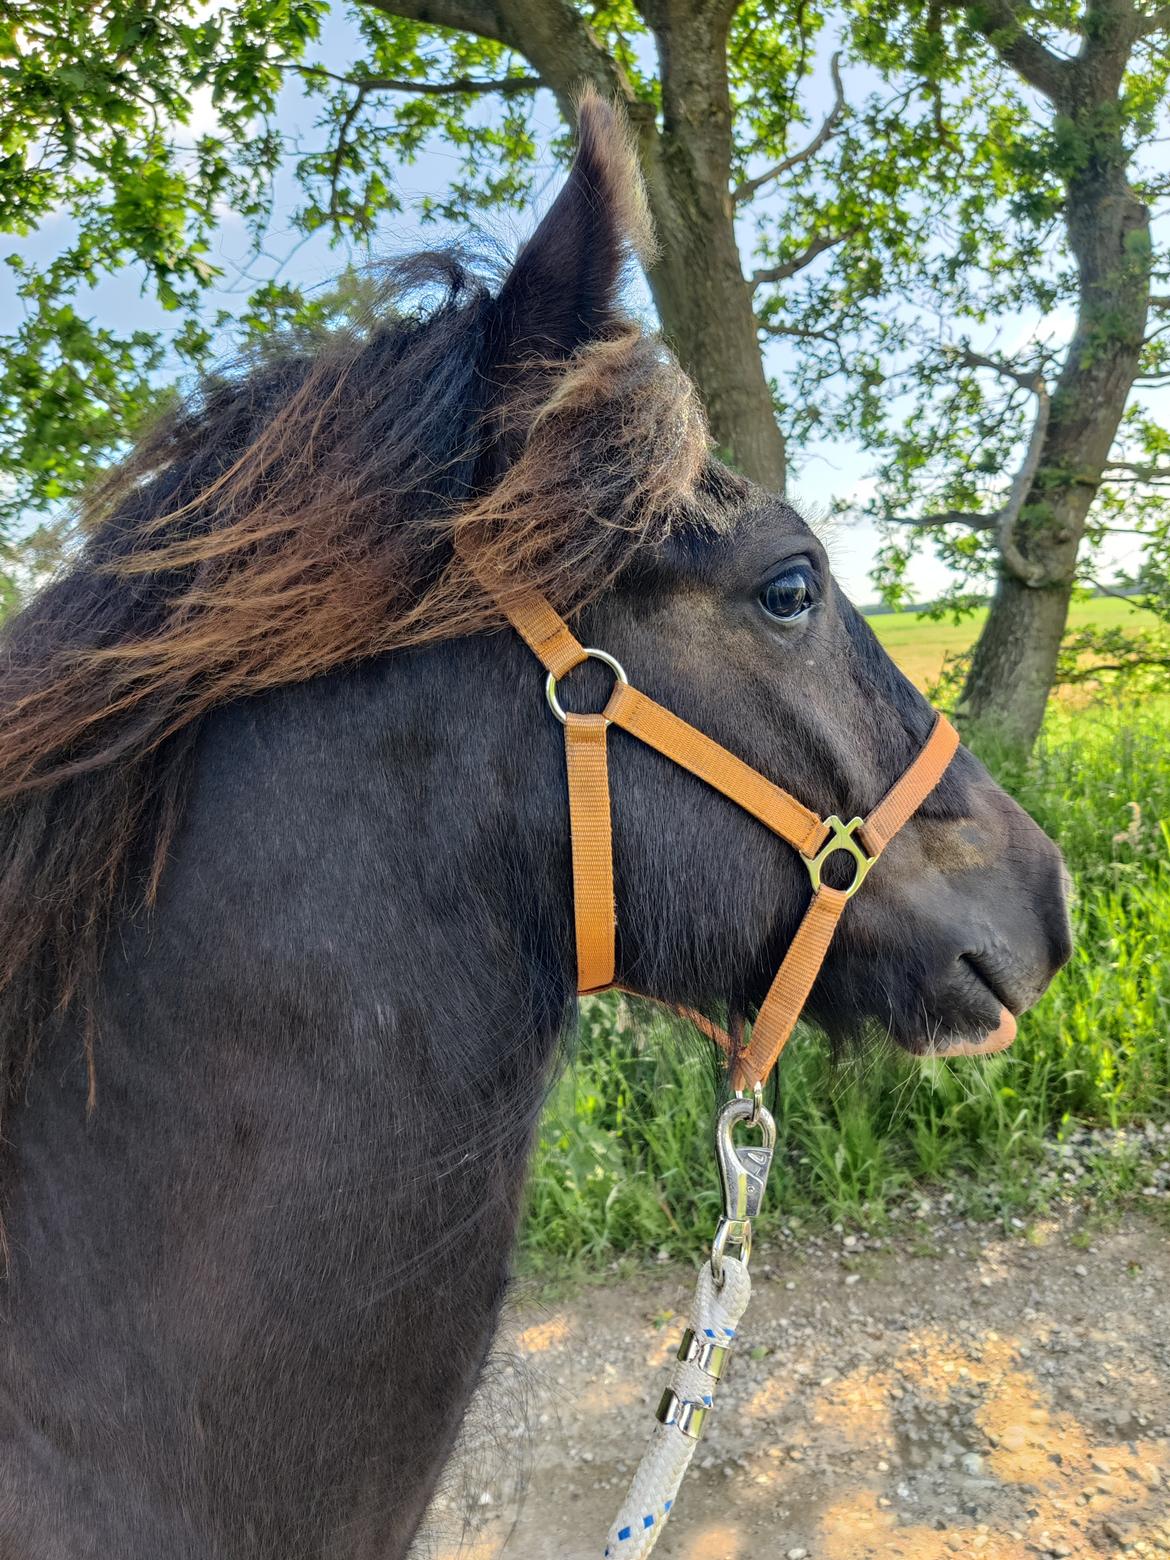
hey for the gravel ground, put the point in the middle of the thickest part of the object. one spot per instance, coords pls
(948, 1392)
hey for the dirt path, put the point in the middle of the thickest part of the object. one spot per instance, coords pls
(948, 1394)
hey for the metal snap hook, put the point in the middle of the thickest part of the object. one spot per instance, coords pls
(743, 1175)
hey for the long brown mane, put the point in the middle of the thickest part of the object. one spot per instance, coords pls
(301, 515)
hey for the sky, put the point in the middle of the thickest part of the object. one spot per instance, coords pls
(826, 471)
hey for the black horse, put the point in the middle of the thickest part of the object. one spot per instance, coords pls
(287, 918)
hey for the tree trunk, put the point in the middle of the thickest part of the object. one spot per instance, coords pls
(704, 302)
(1015, 659)
(1014, 665)
(705, 308)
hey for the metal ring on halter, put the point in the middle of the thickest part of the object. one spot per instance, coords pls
(550, 686)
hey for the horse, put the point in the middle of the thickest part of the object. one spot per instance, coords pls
(285, 880)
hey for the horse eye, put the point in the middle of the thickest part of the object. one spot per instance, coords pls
(790, 595)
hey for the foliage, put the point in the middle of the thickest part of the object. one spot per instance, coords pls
(624, 1165)
(957, 386)
(99, 109)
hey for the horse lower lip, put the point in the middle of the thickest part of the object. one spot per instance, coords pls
(998, 1040)
(993, 1040)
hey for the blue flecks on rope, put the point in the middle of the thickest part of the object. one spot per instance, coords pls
(648, 1521)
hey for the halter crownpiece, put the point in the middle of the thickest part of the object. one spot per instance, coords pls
(815, 839)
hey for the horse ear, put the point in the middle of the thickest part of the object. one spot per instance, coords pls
(562, 290)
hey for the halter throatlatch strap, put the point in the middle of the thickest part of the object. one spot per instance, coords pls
(551, 640)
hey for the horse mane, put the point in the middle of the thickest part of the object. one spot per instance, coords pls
(305, 512)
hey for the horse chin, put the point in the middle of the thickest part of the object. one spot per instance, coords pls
(965, 1036)
(962, 1045)
(971, 1012)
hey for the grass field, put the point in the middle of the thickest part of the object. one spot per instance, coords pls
(920, 646)
(624, 1164)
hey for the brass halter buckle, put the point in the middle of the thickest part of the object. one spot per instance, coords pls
(842, 836)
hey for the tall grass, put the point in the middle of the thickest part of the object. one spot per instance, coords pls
(624, 1162)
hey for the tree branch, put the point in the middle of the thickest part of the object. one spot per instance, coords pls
(1034, 61)
(1005, 519)
(1026, 378)
(781, 273)
(786, 329)
(1009, 516)
(506, 86)
(552, 35)
(936, 522)
(1155, 22)
(1137, 471)
(744, 192)
(480, 17)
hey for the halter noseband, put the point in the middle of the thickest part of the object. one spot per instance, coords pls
(551, 640)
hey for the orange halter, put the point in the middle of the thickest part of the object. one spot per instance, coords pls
(816, 839)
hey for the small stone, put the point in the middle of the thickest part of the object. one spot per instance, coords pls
(797, 1554)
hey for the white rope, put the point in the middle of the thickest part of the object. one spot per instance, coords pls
(715, 1315)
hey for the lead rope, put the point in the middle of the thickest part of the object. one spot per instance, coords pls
(722, 1292)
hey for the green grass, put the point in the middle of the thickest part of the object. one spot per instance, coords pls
(624, 1166)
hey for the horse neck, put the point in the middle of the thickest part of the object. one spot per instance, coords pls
(274, 1256)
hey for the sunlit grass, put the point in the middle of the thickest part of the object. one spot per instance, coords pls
(921, 645)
